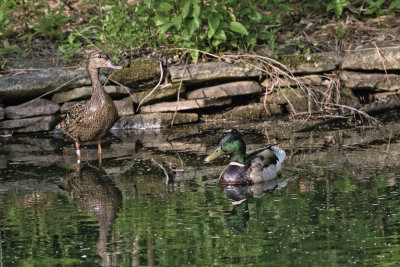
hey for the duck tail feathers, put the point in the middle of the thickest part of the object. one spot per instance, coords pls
(279, 153)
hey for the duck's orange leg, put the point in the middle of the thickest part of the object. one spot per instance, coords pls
(78, 153)
(99, 151)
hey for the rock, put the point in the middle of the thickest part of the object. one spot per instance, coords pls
(369, 57)
(154, 120)
(275, 109)
(37, 107)
(347, 97)
(30, 84)
(201, 72)
(306, 80)
(226, 89)
(35, 124)
(141, 70)
(291, 98)
(165, 93)
(124, 106)
(283, 96)
(313, 63)
(251, 111)
(186, 105)
(1, 113)
(67, 105)
(18, 64)
(86, 92)
(373, 81)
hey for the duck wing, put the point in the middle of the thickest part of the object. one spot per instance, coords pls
(74, 120)
(265, 164)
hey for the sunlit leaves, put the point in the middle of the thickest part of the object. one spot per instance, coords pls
(164, 6)
(213, 23)
(238, 27)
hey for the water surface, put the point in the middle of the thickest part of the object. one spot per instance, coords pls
(154, 202)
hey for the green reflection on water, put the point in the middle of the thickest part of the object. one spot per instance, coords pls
(310, 222)
(333, 211)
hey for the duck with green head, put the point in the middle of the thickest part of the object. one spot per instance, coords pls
(263, 166)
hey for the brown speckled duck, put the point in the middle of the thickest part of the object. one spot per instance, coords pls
(92, 119)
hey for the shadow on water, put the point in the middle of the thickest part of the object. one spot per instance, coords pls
(154, 201)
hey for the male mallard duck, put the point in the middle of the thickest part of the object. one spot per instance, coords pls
(91, 120)
(263, 166)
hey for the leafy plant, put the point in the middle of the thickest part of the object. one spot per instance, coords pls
(394, 5)
(51, 23)
(337, 6)
(74, 44)
(214, 25)
(341, 32)
(375, 7)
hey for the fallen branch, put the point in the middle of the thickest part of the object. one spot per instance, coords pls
(164, 170)
(158, 84)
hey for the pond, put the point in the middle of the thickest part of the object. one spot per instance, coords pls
(154, 202)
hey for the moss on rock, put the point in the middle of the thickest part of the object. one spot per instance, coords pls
(140, 70)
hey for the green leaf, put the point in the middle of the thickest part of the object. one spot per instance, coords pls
(197, 21)
(196, 11)
(202, 35)
(220, 35)
(330, 6)
(161, 19)
(256, 16)
(192, 27)
(216, 42)
(395, 4)
(177, 21)
(186, 9)
(194, 55)
(185, 35)
(238, 27)
(213, 23)
(164, 28)
(164, 6)
(148, 3)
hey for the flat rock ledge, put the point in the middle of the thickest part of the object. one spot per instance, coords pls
(1, 113)
(37, 107)
(313, 63)
(251, 111)
(195, 73)
(35, 83)
(209, 91)
(186, 105)
(370, 57)
(377, 82)
(85, 92)
(124, 106)
(35, 124)
(226, 89)
(157, 95)
(154, 120)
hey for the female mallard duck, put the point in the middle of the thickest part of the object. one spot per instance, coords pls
(263, 166)
(91, 120)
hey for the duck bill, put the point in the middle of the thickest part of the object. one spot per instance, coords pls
(112, 65)
(216, 154)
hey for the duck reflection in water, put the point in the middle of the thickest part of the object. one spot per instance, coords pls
(238, 217)
(95, 192)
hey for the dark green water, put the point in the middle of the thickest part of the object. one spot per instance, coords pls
(331, 206)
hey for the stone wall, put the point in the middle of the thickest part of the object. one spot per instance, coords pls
(209, 91)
